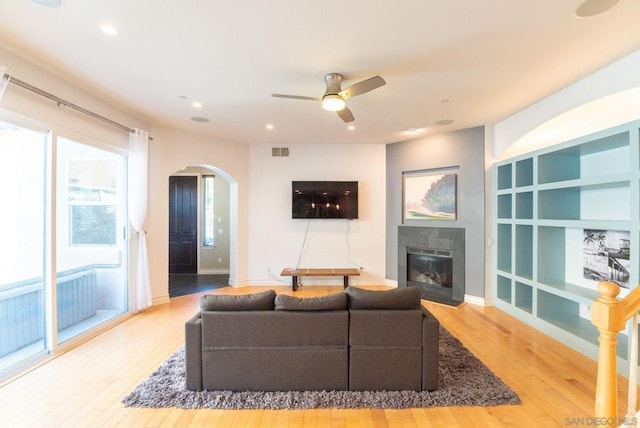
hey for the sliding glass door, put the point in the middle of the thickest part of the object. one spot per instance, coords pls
(22, 244)
(63, 246)
(90, 229)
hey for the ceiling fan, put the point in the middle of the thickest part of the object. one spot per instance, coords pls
(334, 96)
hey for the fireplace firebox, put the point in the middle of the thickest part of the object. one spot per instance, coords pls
(425, 267)
(432, 260)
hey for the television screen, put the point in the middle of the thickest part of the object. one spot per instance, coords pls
(324, 199)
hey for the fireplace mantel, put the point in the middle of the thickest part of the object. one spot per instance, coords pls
(448, 239)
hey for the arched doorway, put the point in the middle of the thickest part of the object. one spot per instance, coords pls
(200, 229)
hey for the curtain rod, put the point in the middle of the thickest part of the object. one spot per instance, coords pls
(65, 103)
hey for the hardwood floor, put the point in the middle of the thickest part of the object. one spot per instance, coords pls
(84, 387)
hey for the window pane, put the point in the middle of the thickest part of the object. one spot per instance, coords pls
(92, 195)
(93, 224)
(208, 210)
(90, 251)
(22, 227)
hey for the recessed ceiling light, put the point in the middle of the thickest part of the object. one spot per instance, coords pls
(196, 104)
(269, 126)
(413, 130)
(351, 127)
(109, 29)
(590, 8)
(444, 122)
(48, 3)
(200, 119)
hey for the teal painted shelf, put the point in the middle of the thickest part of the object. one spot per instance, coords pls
(544, 202)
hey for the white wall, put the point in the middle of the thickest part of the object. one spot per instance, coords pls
(276, 239)
(608, 97)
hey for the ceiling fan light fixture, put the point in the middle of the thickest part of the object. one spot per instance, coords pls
(333, 102)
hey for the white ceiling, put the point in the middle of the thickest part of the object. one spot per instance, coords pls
(489, 58)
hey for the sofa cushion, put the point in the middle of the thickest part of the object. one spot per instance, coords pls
(250, 330)
(397, 298)
(262, 301)
(331, 302)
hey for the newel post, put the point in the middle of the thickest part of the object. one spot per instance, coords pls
(608, 318)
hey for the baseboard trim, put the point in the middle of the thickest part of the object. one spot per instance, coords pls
(391, 283)
(475, 300)
(160, 300)
(236, 283)
(212, 271)
(490, 301)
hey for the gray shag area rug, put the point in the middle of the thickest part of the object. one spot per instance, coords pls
(464, 381)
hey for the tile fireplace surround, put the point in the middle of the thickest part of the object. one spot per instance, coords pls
(448, 240)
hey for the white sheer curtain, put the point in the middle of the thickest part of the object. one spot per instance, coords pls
(138, 183)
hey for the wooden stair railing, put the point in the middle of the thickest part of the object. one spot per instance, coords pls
(610, 315)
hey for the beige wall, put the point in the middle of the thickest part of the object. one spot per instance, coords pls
(172, 151)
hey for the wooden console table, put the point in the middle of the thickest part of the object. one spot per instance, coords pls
(344, 272)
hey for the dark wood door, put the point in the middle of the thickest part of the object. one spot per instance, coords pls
(183, 224)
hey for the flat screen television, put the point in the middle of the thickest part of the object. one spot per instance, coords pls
(324, 199)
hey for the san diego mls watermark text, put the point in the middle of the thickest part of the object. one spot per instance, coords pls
(594, 421)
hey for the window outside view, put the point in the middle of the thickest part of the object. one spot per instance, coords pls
(208, 181)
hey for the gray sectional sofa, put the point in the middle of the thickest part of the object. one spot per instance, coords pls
(359, 339)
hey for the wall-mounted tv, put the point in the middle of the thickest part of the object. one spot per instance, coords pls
(324, 199)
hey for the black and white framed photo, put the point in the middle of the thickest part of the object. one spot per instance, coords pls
(606, 256)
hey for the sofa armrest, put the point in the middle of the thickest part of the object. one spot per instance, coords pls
(193, 353)
(430, 350)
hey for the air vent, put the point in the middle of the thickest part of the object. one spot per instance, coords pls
(280, 151)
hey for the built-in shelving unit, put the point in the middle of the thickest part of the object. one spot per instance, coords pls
(545, 200)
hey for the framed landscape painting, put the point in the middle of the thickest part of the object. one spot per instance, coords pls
(429, 196)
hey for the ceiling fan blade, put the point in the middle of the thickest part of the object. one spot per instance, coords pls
(362, 87)
(296, 97)
(346, 115)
